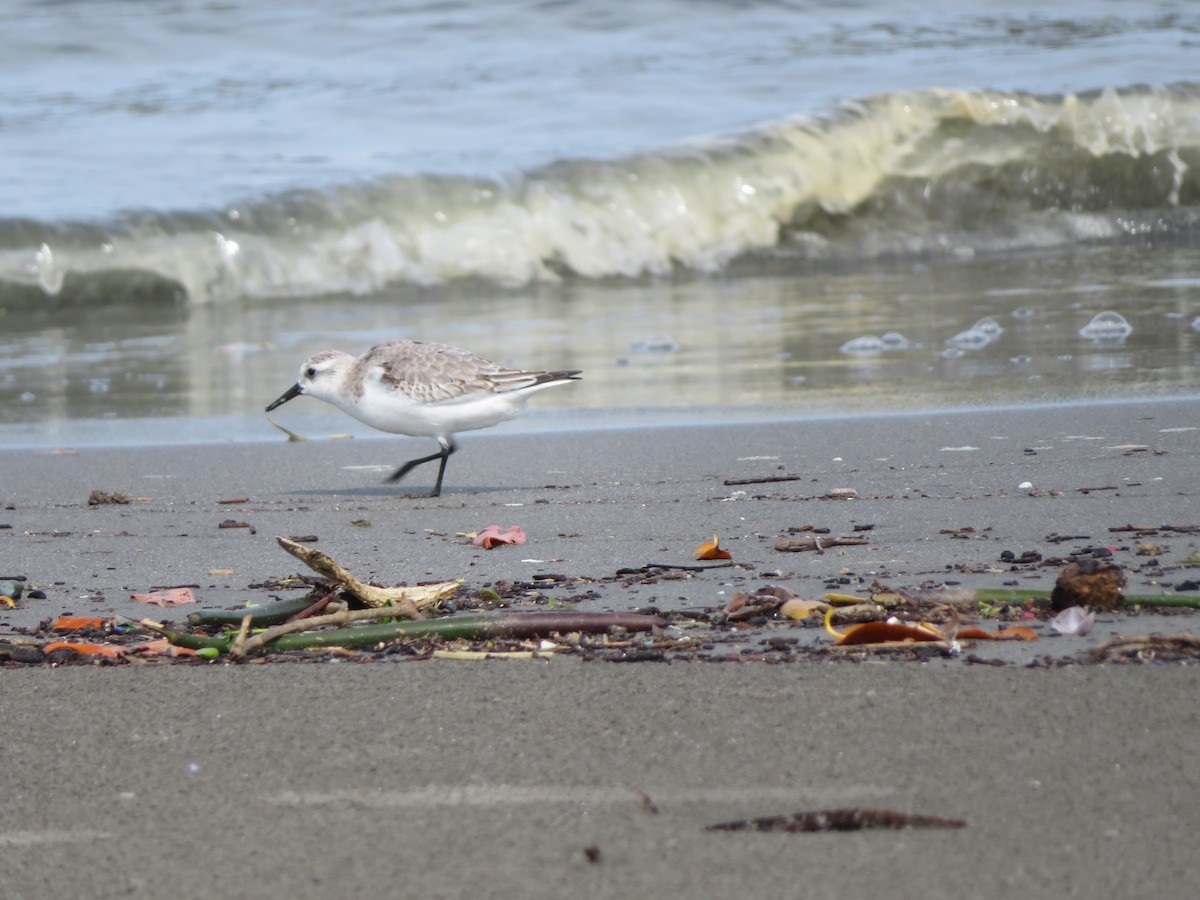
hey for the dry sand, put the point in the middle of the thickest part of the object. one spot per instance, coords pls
(503, 778)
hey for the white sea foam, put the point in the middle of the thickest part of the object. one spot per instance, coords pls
(908, 173)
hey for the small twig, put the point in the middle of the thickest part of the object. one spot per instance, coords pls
(818, 544)
(312, 610)
(648, 803)
(769, 479)
(1179, 529)
(239, 642)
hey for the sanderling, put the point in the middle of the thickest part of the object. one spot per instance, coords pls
(422, 390)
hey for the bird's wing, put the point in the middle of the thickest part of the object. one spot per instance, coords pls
(439, 373)
(429, 373)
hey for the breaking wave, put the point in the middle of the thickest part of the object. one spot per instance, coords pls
(905, 174)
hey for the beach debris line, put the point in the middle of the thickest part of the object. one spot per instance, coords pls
(850, 819)
(299, 636)
(296, 627)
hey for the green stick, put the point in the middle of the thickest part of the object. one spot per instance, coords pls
(1007, 595)
(475, 627)
(260, 616)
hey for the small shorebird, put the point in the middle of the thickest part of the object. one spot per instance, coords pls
(422, 390)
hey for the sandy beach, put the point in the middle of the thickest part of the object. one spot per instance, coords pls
(543, 777)
(899, 302)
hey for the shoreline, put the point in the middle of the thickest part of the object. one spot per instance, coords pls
(327, 425)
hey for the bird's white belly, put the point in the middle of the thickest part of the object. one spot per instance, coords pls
(394, 413)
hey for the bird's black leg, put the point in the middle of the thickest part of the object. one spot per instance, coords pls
(448, 447)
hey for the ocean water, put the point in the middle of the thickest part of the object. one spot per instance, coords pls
(714, 208)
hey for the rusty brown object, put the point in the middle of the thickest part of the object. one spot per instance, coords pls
(1091, 583)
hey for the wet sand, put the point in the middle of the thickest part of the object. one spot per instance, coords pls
(507, 778)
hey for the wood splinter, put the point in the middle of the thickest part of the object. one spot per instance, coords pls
(819, 544)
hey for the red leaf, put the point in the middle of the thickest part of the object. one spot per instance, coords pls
(169, 597)
(492, 536)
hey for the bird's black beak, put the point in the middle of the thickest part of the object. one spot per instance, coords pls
(294, 391)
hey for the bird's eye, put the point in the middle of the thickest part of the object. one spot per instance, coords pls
(310, 372)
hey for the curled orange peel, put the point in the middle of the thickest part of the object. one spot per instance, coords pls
(829, 624)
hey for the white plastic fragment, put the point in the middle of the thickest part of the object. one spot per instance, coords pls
(1073, 620)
